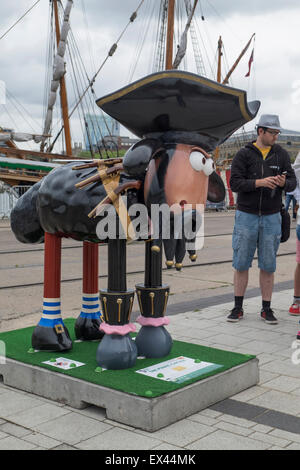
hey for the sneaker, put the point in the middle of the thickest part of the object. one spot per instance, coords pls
(294, 309)
(268, 316)
(235, 315)
(298, 336)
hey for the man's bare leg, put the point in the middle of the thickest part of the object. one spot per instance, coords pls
(240, 280)
(266, 282)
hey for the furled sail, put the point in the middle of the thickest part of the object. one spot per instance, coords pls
(183, 42)
(20, 137)
(58, 71)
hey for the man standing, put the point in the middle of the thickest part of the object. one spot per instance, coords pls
(259, 173)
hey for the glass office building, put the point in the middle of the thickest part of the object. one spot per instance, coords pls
(99, 127)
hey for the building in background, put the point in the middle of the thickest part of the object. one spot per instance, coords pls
(288, 139)
(101, 130)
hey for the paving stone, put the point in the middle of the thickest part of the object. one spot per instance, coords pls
(289, 436)
(284, 421)
(181, 433)
(256, 347)
(279, 401)
(65, 447)
(229, 340)
(166, 446)
(223, 440)
(245, 423)
(119, 439)
(250, 393)
(265, 358)
(239, 409)
(14, 430)
(72, 428)
(119, 425)
(210, 413)
(283, 383)
(12, 403)
(40, 415)
(14, 443)
(283, 367)
(262, 428)
(41, 441)
(293, 446)
(233, 428)
(3, 435)
(271, 439)
(265, 377)
(199, 418)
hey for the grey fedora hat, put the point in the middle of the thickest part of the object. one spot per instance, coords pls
(269, 120)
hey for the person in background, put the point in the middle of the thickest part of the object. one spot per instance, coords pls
(294, 309)
(259, 173)
(289, 197)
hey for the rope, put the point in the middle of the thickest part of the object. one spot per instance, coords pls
(3, 35)
(141, 42)
(110, 53)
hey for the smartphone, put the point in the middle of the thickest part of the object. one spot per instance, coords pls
(283, 173)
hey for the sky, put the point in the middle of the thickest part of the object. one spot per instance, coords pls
(97, 24)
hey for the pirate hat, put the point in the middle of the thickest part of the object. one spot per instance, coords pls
(180, 106)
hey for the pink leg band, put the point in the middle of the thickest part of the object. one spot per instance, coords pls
(149, 321)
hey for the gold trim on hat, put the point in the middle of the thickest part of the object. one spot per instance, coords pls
(240, 94)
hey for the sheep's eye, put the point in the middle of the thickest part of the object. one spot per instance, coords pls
(200, 163)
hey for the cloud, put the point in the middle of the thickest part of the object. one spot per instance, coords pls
(275, 68)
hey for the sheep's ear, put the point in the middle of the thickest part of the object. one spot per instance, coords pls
(137, 158)
(216, 189)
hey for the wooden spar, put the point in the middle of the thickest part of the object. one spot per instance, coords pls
(220, 45)
(21, 153)
(63, 90)
(170, 34)
(219, 78)
(225, 81)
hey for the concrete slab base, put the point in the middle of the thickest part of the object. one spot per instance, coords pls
(149, 414)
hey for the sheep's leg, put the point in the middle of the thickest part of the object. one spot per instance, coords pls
(88, 323)
(51, 334)
(117, 350)
(153, 340)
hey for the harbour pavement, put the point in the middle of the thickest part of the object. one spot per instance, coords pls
(263, 417)
(266, 416)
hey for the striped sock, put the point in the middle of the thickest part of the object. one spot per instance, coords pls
(51, 316)
(91, 306)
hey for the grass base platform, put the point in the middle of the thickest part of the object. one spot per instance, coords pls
(129, 397)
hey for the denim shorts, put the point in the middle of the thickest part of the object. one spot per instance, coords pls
(253, 231)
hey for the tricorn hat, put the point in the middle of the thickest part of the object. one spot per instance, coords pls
(271, 121)
(182, 107)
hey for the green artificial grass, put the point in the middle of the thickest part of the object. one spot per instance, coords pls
(18, 347)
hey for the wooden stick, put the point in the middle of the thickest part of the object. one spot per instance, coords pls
(88, 181)
(113, 195)
(94, 164)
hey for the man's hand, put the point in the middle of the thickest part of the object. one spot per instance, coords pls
(270, 182)
(281, 180)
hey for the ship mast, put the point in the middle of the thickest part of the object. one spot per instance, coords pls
(219, 78)
(220, 53)
(225, 81)
(63, 90)
(170, 35)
